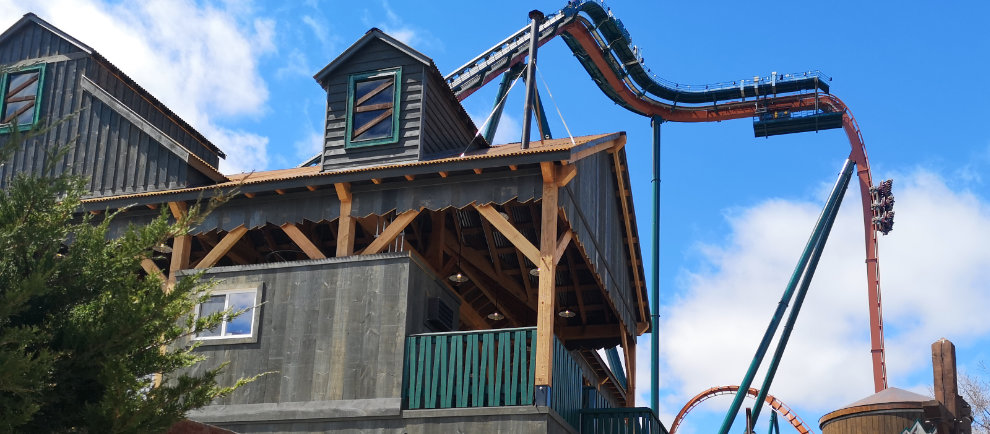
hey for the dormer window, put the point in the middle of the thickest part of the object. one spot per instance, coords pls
(373, 108)
(20, 92)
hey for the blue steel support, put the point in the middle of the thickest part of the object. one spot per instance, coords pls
(541, 114)
(809, 274)
(785, 300)
(655, 277)
(616, 365)
(503, 88)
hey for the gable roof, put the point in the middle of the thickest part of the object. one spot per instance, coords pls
(373, 34)
(30, 18)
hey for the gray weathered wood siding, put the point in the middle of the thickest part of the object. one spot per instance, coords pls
(32, 42)
(106, 77)
(447, 130)
(376, 55)
(116, 155)
(330, 330)
(595, 214)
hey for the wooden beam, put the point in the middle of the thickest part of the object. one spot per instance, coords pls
(562, 242)
(609, 145)
(490, 242)
(279, 191)
(152, 205)
(443, 174)
(627, 219)
(153, 270)
(393, 230)
(510, 232)
(312, 187)
(346, 223)
(221, 249)
(302, 241)
(513, 167)
(606, 331)
(249, 195)
(376, 180)
(545, 315)
(410, 177)
(565, 174)
(477, 170)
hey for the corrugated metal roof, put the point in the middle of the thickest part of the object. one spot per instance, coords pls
(889, 395)
(512, 149)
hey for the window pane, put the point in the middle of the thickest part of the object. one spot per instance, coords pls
(362, 88)
(381, 129)
(385, 96)
(18, 80)
(213, 305)
(242, 324)
(23, 118)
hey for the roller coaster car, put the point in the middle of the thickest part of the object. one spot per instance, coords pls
(772, 123)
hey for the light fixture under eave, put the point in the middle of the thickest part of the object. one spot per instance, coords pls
(534, 272)
(496, 316)
(458, 278)
(162, 248)
(566, 313)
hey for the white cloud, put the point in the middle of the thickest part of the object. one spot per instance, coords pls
(201, 61)
(710, 332)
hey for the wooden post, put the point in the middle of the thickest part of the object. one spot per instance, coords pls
(629, 351)
(345, 234)
(545, 309)
(181, 245)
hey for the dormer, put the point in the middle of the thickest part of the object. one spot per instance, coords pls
(387, 103)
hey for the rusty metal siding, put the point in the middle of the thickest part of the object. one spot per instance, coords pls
(594, 212)
(446, 132)
(376, 55)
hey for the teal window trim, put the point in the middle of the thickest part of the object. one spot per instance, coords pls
(352, 80)
(4, 79)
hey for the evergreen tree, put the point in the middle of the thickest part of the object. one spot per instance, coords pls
(83, 329)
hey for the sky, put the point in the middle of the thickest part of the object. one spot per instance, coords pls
(736, 210)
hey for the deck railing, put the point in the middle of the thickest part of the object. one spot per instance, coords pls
(486, 368)
(638, 420)
(567, 385)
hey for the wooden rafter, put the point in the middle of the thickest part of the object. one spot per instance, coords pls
(301, 240)
(577, 289)
(478, 281)
(613, 144)
(490, 240)
(209, 240)
(562, 242)
(479, 261)
(393, 230)
(181, 245)
(221, 249)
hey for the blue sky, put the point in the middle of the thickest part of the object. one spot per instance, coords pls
(735, 209)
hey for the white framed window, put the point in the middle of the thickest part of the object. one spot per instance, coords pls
(240, 329)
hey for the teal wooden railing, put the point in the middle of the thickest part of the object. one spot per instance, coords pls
(566, 386)
(638, 420)
(485, 368)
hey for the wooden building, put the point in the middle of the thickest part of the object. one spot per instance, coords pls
(413, 279)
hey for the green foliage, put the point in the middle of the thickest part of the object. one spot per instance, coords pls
(83, 330)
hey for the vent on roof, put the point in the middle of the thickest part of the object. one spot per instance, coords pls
(439, 316)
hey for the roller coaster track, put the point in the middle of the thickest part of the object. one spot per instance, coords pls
(777, 405)
(604, 49)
